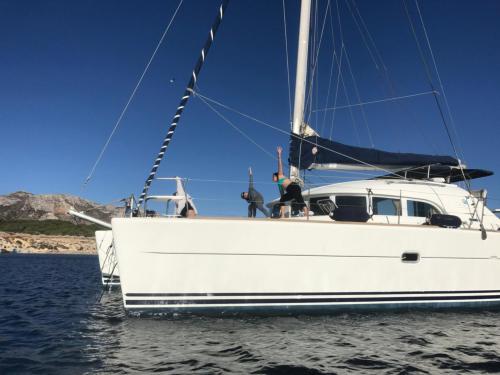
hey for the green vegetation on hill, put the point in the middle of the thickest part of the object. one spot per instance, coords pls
(49, 227)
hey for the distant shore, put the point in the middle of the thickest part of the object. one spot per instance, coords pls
(46, 244)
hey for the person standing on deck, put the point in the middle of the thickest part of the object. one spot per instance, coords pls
(289, 190)
(254, 198)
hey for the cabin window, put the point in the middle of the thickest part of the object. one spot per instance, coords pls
(321, 206)
(386, 206)
(350, 201)
(420, 209)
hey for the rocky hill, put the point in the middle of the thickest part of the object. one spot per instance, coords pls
(26, 206)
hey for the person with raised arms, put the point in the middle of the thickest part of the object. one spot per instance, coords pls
(289, 190)
(254, 198)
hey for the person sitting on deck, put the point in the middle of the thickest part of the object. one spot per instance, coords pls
(184, 207)
(289, 190)
(254, 198)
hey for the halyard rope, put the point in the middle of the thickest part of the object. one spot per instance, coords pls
(187, 94)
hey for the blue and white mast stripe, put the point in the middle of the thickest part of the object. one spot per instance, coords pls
(185, 98)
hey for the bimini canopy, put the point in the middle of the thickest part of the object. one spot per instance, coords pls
(314, 152)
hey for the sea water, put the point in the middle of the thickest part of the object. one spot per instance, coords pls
(53, 321)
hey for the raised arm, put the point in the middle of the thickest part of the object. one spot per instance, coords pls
(280, 163)
(180, 187)
(250, 178)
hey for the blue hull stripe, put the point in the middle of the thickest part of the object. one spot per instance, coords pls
(309, 301)
(298, 295)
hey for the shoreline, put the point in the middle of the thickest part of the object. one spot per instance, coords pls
(48, 253)
(25, 243)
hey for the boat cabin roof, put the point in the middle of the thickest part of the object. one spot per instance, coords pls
(408, 197)
(389, 187)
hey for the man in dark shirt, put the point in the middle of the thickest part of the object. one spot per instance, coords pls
(254, 198)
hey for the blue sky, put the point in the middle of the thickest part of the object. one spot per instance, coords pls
(67, 69)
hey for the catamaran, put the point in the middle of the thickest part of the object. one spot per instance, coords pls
(110, 274)
(179, 204)
(410, 238)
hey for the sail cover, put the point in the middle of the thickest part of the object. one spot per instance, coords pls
(314, 152)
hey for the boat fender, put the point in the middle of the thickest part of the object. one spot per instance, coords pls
(445, 221)
(355, 214)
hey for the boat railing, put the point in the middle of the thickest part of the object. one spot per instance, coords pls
(161, 198)
(166, 199)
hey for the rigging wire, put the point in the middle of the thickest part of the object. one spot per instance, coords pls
(207, 99)
(315, 63)
(343, 50)
(204, 100)
(369, 35)
(438, 104)
(225, 181)
(312, 52)
(371, 47)
(376, 101)
(329, 83)
(381, 189)
(381, 67)
(349, 174)
(438, 76)
(131, 97)
(322, 177)
(338, 74)
(287, 64)
(356, 91)
(353, 120)
(363, 37)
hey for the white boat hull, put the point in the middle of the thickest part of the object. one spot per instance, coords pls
(110, 274)
(264, 265)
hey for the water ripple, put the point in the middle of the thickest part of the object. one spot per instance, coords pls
(52, 322)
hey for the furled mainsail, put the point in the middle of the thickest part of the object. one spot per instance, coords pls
(314, 152)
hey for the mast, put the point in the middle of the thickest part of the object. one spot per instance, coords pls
(301, 75)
